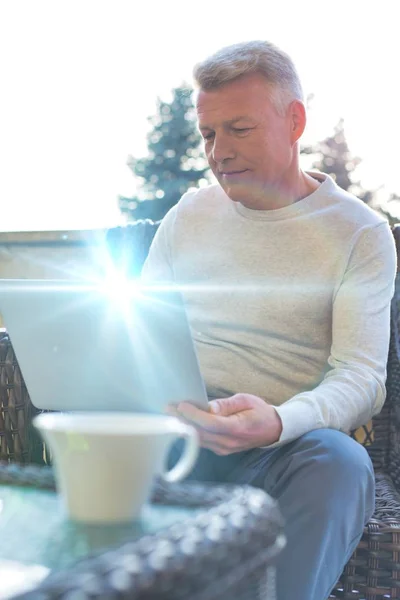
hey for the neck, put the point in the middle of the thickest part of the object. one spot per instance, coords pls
(295, 187)
(304, 186)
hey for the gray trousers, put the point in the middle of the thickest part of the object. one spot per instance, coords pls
(324, 484)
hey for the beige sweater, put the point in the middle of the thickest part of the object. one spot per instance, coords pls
(291, 305)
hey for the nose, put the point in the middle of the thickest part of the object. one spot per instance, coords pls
(222, 148)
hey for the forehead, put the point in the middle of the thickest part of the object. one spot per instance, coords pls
(247, 96)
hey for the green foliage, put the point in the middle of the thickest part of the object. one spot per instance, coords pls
(175, 161)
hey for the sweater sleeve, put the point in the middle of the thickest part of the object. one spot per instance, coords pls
(353, 389)
(158, 266)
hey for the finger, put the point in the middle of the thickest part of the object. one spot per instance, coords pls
(208, 442)
(200, 418)
(172, 410)
(225, 407)
(218, 445)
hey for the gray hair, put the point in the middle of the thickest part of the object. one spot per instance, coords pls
(244, 58)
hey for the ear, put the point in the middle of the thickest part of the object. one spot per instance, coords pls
(298, 120)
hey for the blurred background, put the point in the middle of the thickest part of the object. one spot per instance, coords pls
(96, 118)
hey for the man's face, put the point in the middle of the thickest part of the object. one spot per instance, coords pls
(249, 146)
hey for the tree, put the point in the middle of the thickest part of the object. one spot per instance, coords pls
(333, 156)
(175, 161)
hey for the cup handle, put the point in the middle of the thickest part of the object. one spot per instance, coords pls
(188, 457)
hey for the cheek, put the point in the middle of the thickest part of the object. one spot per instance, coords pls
(275, 150)
(258, 152)
(209, 156)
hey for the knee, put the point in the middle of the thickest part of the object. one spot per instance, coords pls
(335, 454)
(335, 466)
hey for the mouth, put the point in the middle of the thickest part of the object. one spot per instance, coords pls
(232, 175)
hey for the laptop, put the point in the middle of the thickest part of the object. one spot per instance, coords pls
(102, 347)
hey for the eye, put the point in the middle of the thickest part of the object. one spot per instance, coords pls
(208, 136)
(242, 130)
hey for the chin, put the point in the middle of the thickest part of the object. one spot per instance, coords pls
(243, 194)
(237, 192)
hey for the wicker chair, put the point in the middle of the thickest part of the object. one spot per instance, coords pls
(373, 572)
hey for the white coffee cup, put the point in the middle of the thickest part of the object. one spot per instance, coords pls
(105, 463)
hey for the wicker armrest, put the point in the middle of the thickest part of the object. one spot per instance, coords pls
(19, 441)
(393, 379)
(394, 455)
(393, 390)
(387, 508)
(373, 570)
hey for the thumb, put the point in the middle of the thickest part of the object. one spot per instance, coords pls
(224, 407)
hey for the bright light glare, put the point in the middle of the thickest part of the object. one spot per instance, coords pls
(117, 287)
(120, 290)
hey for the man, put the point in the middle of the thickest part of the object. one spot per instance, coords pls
(287, 281)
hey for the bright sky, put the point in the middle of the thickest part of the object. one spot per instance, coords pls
(79, 77)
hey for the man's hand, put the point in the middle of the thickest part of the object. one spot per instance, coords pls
(233, 424)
